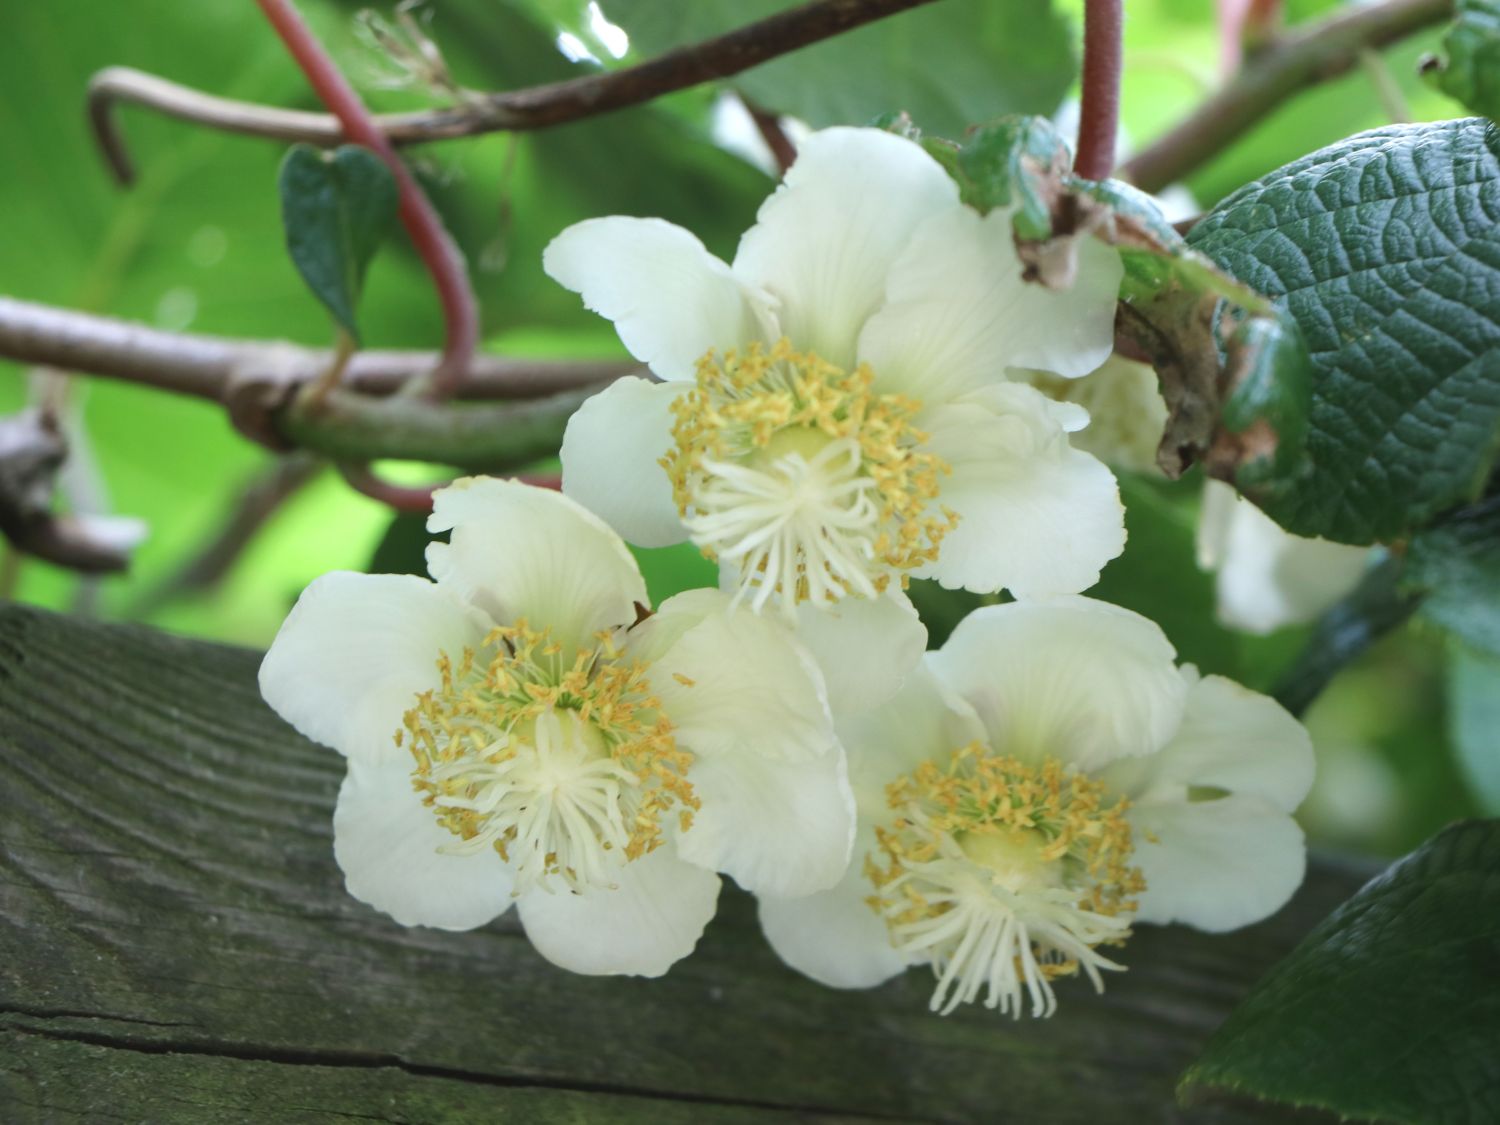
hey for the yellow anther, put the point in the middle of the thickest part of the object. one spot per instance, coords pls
(1025, 827)
(486, 712)
(754, 405)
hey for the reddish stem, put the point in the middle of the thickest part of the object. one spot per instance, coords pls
(401, 498)
(440, 254)
(1245, 26)
(769, 126)
(1099, 115)
(363, 480)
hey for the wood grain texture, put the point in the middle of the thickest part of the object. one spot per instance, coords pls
(176, 945)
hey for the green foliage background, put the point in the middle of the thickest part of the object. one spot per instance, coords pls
(197, 245)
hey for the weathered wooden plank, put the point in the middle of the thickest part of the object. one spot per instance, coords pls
(171, 919)
(43, 1080)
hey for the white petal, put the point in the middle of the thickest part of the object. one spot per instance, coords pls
(649, 921)
(1036, 515)
(835, 937)
(610, 456)
(825, 240)
(958, 313)
(775, 827)
(651, 639)
(866, 647)
(1268, 578)
(1126, 413)
(1079, 680)
(523, 552)
(925, 721)
(670, 299)
(388, 844)
(736, 683)
(354, 653)
(1216, 865)
(1232, 739)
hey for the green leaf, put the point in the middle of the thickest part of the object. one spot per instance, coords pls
(1386, 251)
(1456, 564)
(948, 65)
(403, 547)
(1474, 721)
(336, 207)
(1471, 71)
(671, 570)
(1388, 1010)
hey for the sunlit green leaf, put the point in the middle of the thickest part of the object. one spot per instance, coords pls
(949, 65)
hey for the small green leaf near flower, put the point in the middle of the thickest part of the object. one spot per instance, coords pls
(336, 209)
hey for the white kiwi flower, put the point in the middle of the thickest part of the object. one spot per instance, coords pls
(1266, 578)
(515, 734)
(837, 410)
(1046, 780)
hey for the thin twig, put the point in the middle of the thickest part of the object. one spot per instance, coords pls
(1099, 113)
(439, 253)
(1319, 52)
(399, 497)
(1387, 89)
(536, 107)
(32, 451)
(768, 125)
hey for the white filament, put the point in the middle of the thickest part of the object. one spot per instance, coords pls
(791, 520)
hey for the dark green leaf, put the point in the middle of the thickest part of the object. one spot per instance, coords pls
(1386, 251)
(403, 547)
(1388, 1010)
(1470, 72)
(1474, 721)
(1456, 564)
(948, 65)
(336, 209)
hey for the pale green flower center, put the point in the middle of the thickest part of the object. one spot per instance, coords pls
(567, 770)
(799, 475)
(1003, 876)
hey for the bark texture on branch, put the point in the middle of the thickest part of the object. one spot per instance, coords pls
(364, 420)
(176, 945)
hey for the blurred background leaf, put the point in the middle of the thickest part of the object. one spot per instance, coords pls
(949, 65)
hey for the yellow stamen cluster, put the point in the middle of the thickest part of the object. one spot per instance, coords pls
(486, 711)
(749, 406)
(1031, 827)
